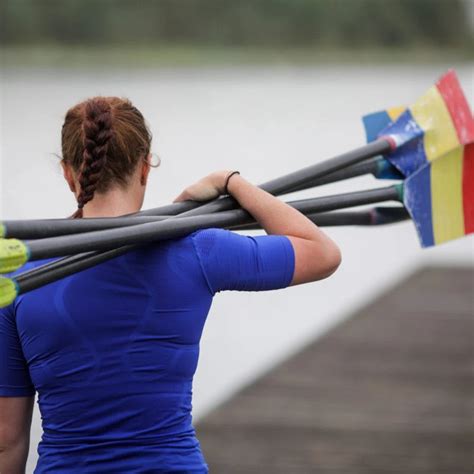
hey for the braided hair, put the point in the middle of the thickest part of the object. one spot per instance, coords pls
(97, 128)
(103, 139)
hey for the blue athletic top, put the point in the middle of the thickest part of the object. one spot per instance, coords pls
(112, 350)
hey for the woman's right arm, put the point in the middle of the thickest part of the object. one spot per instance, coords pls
(15, 424)
(316, 255)
(16, 397)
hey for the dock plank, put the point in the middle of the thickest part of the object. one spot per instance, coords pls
(388, 391)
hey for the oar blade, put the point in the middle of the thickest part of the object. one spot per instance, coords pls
(375, 122)
(13, 255)
(440, 197)
(8, 291)
(438, 122)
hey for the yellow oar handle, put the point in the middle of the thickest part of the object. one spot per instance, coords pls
(8, 291)
(13, 254)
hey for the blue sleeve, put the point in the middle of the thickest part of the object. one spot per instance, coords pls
(231, 261)
(15, 379)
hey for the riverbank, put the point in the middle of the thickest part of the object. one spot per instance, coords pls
(144, 56)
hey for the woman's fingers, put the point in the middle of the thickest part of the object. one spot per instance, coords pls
(203, 190)
(197, 193)
(210, 187)
(182, 197)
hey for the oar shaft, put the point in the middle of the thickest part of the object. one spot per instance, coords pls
(50, 272)
(40, 276)
(44, 228)
(173, 228)
(369, 217)
(303, 176)
(370, 166)
(378, 166)
(170, 209)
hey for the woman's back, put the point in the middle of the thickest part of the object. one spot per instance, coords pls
(112, 350)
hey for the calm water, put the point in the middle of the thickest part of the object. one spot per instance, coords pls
(264, 122)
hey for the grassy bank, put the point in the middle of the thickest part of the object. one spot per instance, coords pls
(144, 56)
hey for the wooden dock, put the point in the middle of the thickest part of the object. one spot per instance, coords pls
(390, 391)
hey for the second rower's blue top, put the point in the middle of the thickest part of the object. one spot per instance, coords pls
(112, 351)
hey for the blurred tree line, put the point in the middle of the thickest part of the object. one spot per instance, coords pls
(273, 23)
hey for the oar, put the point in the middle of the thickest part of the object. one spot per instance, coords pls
(380, 167)
(439, 198)
(441, 117)
(299, 179)
(404, 130)
(401, 140)
(367, 217)
(14, 253)
(169, 209)
(375, 216)
(425, 123)
(27, 281)
(42, 228)
(438, 122)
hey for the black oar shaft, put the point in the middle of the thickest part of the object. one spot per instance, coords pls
(44, 228)
(370, 166)
(172, 228)
(40, 276)
(50, 272)
(170, 209)
(73, 263)
(369, 217)
(301, 177)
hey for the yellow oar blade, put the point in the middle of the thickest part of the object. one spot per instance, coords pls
(8, 291)
(13, 254)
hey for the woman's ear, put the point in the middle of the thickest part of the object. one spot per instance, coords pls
(69, 176)
(145, 171)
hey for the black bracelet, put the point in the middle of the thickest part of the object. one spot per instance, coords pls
(226, 191)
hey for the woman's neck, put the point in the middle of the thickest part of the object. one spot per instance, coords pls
(116, 202)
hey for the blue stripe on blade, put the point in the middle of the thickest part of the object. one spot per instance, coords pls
(375, 123)
(410, 153)
(417, 199)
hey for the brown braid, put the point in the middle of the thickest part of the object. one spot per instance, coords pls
(103, 141)
(97, 127)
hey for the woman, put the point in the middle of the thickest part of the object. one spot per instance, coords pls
(112, 350)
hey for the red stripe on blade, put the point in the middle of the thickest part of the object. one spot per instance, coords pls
(468, 188)
(456, 102)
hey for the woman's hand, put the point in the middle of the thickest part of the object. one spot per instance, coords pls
(210, 187)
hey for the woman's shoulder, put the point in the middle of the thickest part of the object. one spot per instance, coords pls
(192, 247)
(196, 237)
(187, 244)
